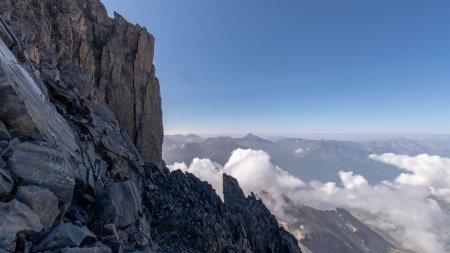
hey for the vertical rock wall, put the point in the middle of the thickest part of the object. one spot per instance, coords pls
(61, 36)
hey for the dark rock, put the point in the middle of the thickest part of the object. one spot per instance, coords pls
(64, 235)
(23, 244)
(10, 145)
(87, 250)
(253, 222)
(3, 145)
(7, 242)
(16, 217)
(2, 163)
(6, 181)
(119, 204)
(5, 35)
(42, 164)
(4, 134)
(289, 243)
(110, 232)
(42, 201)
(13, 110)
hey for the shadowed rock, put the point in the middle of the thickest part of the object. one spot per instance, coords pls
(16, 217)
(4, 134)
(65, 234)
(42, 201)
(120, 204)
(253, 222)
(87, 250)
(6, 181)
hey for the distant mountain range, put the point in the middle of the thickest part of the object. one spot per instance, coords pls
(307, 159)
(317, 231)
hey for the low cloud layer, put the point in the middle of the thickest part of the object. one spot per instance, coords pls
(424, 170)
(413, 209)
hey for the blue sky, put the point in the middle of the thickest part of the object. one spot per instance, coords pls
(300, 66)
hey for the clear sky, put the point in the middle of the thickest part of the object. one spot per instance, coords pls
(300, 66)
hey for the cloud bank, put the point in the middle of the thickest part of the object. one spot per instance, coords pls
(414, 208)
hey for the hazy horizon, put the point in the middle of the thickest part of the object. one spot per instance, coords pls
(317, 136)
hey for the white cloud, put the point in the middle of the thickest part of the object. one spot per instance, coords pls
(252, 168)
(298, 151)
(422, 170)
(406, 208)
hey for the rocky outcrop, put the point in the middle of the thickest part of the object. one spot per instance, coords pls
(79, 99)
(253, 223)
(116, 57)
(198, 220)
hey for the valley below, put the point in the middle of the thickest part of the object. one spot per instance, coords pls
(307, 184)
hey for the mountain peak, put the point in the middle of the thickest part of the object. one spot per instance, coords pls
(251, 136)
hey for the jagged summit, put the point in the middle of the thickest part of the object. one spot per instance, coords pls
(80, 145)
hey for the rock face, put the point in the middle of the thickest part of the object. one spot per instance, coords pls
(116, 56)
(252, 222)
(80, 145)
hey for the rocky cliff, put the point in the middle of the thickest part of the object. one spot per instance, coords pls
(80, 145)
(66, 39)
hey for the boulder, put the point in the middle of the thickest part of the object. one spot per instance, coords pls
(8, 145)
(6, 181)
(119, 204)
(42, 164)
(62, 236)
(16, 217)
(43, 202)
